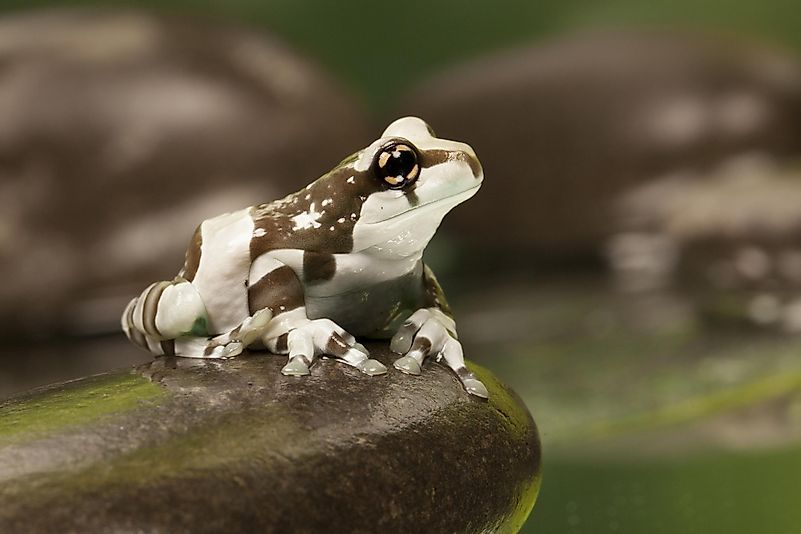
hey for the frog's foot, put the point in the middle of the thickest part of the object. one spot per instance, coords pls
(473, 385)
(225, 345)
(431, 333)
(324, 337)
(203, 347)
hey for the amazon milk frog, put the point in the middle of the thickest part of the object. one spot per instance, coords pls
(307, 274)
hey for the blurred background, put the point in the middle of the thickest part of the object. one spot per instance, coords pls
(632, 265)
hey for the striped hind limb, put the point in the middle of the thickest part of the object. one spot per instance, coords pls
(163, 312)
(226, 345)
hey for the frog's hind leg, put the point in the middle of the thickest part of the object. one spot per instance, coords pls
(163, 312)
(140, 338)
(228, 344)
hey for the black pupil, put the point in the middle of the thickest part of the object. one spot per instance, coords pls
(400, 163)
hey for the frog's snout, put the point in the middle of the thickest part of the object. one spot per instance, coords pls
(464, 153)
(469, 157)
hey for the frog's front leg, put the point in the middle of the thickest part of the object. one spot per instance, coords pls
(304, 340)
(276, 287)
(430, 332)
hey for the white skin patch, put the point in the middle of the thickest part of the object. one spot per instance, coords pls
(179, 306)
(262, 266)
(307, 219)
(358, 271)
(224, 268)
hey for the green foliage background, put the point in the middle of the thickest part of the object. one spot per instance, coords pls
(380, 48)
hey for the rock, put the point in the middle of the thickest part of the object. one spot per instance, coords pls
(122, 131)
(566, 127)
(732, 236)
(190, 445)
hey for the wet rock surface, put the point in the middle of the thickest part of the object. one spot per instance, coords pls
(563, 128)
(122, 131)
(186, 445)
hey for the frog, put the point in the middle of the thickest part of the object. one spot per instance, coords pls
(311, 274)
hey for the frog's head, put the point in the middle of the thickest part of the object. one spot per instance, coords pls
(415, 178)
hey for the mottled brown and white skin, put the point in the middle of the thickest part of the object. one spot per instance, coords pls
(341, 258)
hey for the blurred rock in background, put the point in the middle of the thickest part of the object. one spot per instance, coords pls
(121, 131)
(733, 235)
(565, 129)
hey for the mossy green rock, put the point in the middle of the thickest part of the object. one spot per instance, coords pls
(185, 445)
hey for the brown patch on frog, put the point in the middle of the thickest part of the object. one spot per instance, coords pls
(429, 158)
(193, 252)
(150, 307)
(336, 346)
(282, 344)
(276, 228)
(411, 196)
(137, 337)
(275, 289)
(318, 267)
(168, 347)
(422, 345)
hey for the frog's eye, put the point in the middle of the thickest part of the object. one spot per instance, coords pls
(396, 164)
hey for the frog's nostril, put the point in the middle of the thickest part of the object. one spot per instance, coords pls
(471, 159)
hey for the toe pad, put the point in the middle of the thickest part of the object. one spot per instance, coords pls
(407, 365)
(372, 367)
(475, 387)
(295, 367)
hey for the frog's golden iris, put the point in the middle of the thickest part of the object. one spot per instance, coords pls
(397, 164)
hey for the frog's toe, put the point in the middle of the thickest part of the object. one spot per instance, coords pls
(220, 351)
(402, 341)
(371, 367)
(232, 349)
(475, 387)
(408, 365)
(295, 367)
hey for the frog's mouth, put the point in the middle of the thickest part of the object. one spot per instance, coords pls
(427, 207)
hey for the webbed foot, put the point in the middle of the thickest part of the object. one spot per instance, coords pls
(431, 333)
(324, 337)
